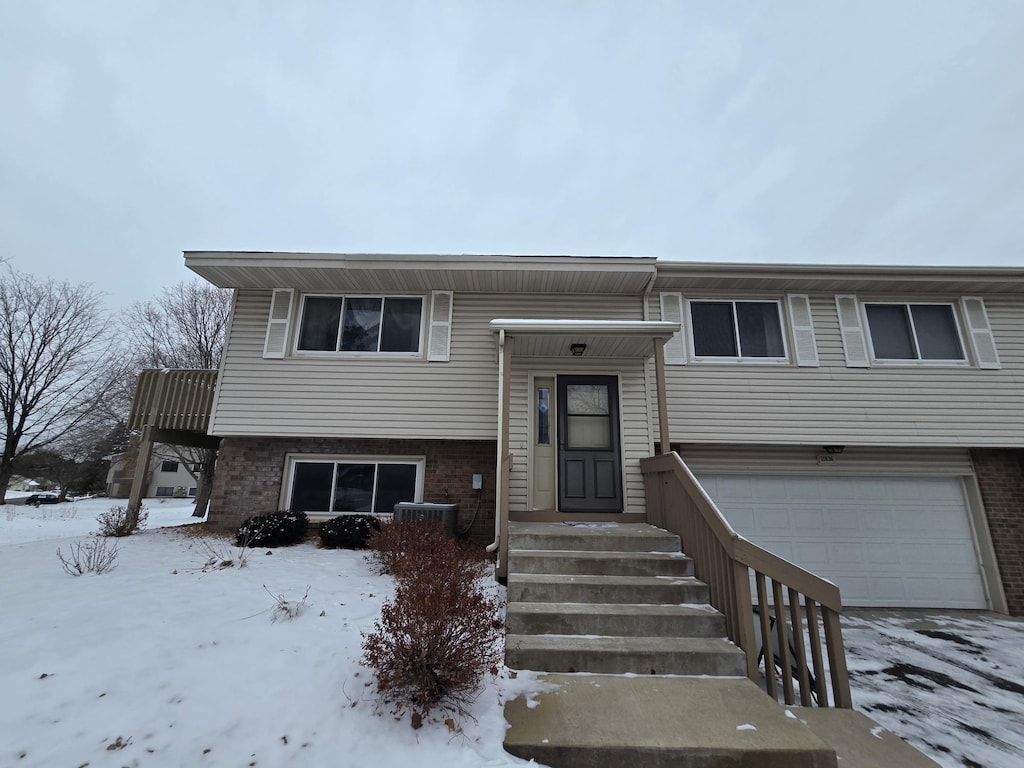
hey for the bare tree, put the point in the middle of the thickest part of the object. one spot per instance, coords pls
(53, 344)
(183, 327)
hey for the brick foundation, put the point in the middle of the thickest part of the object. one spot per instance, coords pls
(1001, 479)
(250, 472)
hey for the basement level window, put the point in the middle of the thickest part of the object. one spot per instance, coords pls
(165, 490)
(328, 486)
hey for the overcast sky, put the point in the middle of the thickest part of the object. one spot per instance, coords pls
(829, 132)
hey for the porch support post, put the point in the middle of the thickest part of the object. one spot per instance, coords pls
(141, 469)
(659, 377)
(501, 512)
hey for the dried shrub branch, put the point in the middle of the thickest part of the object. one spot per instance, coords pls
(89, 556)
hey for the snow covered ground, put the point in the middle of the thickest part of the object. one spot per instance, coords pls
(160, 663)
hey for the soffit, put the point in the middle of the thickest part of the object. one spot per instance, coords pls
(553, 338)
(768, 278)
(401, 273)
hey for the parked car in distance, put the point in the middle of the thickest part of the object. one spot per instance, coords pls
(42, 498)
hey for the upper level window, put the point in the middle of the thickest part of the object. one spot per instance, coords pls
(914, 332)
(361, 324)
(168, 466)
(737, 330)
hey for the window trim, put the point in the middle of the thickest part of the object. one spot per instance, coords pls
(326, 353)
(784, 329)
(954, 306)
(291, 459)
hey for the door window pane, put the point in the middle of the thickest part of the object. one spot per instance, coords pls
(890, 331)
(543, 416)
(588, 432)
(587, 399)
(935, 326)
(712, 329)
(361, 325)
(320, 317)
(311, 487)
(395, 483)
(760, 329)
(401, 326)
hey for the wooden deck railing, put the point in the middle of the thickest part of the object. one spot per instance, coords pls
(179, 399)
(791, 602)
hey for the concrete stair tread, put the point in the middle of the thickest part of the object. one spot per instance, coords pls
(632, 537)
(619, 609)
(624, 644)
(608, 562)
(595, 721)
(590, 578)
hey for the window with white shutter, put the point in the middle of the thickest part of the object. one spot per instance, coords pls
(672, 311)
(981, 333)
(439, 346)
(855, 344)
(805, 348)
(278, 323)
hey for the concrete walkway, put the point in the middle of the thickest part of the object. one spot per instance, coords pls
(601, 721)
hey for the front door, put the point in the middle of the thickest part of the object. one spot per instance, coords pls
(589, 463)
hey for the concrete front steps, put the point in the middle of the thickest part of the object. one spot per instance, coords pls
(607, 599)
(610, 598)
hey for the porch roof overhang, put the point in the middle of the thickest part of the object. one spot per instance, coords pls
(603, 338)
(418, 273)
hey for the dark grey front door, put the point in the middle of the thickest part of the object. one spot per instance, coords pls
(589, 464)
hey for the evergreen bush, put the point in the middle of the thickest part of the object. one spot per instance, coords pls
(274, 529)
(348, 531)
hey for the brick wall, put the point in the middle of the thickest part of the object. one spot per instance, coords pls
(1001, 478)
(250, 472)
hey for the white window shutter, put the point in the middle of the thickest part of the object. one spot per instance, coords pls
(981, 333)
(672, 311)
(277, 326)
(805, 350)
(439, 346)
(855, 343)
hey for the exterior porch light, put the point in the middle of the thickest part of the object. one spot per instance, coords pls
(577, 349)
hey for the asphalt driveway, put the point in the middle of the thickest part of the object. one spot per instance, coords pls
(949, 682)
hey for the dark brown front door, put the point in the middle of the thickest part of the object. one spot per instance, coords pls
(589, 463)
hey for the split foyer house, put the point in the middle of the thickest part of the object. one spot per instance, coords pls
(866, 423)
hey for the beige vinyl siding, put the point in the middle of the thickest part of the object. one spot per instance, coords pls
(635, 418)
(800, 460)
(328, 396)
(913, 405)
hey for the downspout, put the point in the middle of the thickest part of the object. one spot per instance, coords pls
(501, 416)
(647, 294)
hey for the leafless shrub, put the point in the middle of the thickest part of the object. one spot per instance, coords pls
(437, 638)
(117, 521)
(93, 555)
(287, 609)
(218, 556)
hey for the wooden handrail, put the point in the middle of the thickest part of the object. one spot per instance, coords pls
(728, 563)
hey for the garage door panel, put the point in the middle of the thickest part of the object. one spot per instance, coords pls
(886, 541)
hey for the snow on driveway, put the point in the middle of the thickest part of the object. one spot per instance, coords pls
(951, 684)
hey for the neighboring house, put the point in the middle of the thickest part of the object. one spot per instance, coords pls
(166, 478)
(866, 423)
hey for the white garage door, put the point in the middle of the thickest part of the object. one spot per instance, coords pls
(886, 541)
